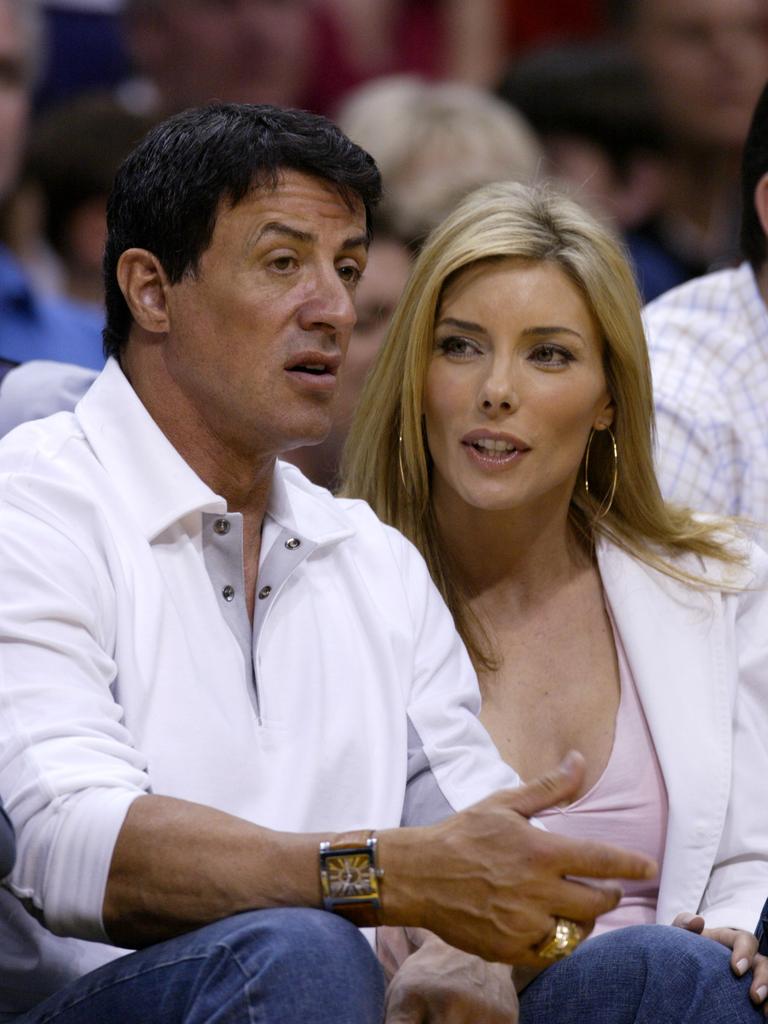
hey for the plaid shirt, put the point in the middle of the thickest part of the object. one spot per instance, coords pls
(708, 342)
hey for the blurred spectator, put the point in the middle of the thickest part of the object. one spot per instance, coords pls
(708, 341)
(190, 52)
(591, 107)
(378, 293)
(706, 61)
(556, 21)
(85, 49)
(31, 326)
(436, 39)
(75, 150)
(434, 143)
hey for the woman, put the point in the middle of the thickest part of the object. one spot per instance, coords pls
(506, 429)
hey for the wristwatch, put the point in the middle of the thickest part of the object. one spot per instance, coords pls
(350, 880)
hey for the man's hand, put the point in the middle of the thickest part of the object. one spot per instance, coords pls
(490, 883)
(439, 983)
(744, 956)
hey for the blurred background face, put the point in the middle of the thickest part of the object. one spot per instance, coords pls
(707, 60)
(377, 296)
(14, 99)
(246, 51)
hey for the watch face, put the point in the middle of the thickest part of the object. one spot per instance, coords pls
(349, 874)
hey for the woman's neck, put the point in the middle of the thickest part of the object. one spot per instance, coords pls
(512, 558)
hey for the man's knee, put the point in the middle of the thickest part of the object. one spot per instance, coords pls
(306, 958)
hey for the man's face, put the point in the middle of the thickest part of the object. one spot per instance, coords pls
(240, 51)
(257, 335)
(708, 61)
(14, 98)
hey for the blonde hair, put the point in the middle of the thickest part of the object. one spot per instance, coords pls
(386, 461)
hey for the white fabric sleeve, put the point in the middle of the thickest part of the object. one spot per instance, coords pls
(444, 699)
(738, 884)
(68, 769)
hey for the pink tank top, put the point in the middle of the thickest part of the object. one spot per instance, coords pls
(626, 806)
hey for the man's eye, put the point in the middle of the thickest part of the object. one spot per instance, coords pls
(350, 274)
(283, 262)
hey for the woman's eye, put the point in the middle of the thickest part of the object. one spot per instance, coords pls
(551, 355)
(454, 346)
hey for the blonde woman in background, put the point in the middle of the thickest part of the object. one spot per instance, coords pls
(507, 430)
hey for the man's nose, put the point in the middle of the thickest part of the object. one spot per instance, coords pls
(329, 305)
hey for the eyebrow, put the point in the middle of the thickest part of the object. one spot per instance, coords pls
(539, 332)
(275, 227)
(462, 325)
(529, 332)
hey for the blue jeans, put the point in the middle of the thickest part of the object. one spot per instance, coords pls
(648, 974)
(290, 966)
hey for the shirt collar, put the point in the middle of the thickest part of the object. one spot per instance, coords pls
(161, 488)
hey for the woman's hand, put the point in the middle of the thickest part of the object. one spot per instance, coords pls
(743, 958)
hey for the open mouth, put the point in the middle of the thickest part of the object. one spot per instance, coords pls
(316, 369)
(487, 446)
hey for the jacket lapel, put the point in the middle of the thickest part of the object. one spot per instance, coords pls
(673, 638)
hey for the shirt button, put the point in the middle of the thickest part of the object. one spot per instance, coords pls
(228, 593)
(292, 543)
(264, 592)
(221, 526)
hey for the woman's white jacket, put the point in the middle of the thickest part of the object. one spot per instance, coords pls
(700, 663)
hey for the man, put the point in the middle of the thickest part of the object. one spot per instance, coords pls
(709, 352)
(210, 667)
(32, 326)
(254, 51)
(706, 61)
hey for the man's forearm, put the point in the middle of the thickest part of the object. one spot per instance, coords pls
(179, 865)
(484, 880)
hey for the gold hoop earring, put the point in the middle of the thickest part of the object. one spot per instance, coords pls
(400, 460)
(607, 502)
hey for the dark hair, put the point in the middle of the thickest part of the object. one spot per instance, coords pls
(754, 165)
(168, 192)
(74, 150)
(592, 91)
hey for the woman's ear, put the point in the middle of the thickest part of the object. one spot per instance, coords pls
(606, 416)
(143, 282)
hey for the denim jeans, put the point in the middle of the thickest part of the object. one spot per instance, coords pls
(290, 966)
(648, 974)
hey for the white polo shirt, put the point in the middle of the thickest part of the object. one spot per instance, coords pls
(128, 664)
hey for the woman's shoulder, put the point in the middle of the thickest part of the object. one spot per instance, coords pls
(742, 567)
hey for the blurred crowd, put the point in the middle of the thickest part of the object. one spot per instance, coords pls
(640, 106)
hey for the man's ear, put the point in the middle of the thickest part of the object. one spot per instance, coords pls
(761, 202)
(144, 284)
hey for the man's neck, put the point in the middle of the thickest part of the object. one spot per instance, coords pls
(237, 472)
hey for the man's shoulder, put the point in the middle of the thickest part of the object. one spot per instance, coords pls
(704, 308)
(354, 513)
(702, 338)
(366, 536)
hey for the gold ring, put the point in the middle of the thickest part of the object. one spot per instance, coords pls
(564, 938)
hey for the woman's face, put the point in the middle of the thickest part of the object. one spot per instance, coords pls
(514, 386)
